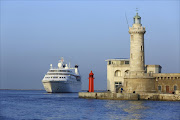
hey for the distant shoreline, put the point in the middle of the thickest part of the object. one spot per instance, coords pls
(21, 89)
(44, 90)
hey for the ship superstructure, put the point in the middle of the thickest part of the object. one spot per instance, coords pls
(62, 79)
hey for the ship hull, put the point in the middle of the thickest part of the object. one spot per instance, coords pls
(62, 86)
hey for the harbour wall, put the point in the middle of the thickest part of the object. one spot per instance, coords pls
(108, 95)
(129, 96)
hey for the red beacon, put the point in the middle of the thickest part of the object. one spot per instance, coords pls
(91, 82)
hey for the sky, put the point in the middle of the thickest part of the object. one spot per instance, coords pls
(35, 34)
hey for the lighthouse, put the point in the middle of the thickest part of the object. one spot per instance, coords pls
(132, 74)
(137, 32)
(137, 81)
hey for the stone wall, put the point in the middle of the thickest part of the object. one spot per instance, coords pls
(137, 47)
(139, 85)
(129, 96)
(167, 81)
(108, 95)
(157, 96)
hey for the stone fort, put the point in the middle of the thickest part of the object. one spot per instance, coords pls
(133, 75)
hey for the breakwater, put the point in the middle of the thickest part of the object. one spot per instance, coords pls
(129, 96)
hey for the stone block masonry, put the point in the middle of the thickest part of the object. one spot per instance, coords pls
(129, 96)
(108, 95)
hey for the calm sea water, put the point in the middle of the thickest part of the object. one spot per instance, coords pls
(17, 105)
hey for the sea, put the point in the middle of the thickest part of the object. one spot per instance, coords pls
(39, 105)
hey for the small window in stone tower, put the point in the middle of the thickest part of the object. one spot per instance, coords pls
(132, 37)
(141, 48)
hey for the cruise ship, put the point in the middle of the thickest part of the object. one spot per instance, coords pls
(62, 79)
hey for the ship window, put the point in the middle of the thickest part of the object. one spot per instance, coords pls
(59, 71)
(53, 70)
(56, 74)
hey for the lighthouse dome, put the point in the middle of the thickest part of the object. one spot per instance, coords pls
(137, 19)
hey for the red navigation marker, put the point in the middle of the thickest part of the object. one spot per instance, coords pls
(91, 82)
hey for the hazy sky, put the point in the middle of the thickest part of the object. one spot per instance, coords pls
(35, 34)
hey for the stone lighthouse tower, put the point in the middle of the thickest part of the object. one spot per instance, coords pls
(137, 46)
(137, 81)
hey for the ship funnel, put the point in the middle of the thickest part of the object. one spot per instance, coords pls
(63, 65)
(76, 69)
(76, 66)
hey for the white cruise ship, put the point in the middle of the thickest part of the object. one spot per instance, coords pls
(62, 79)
